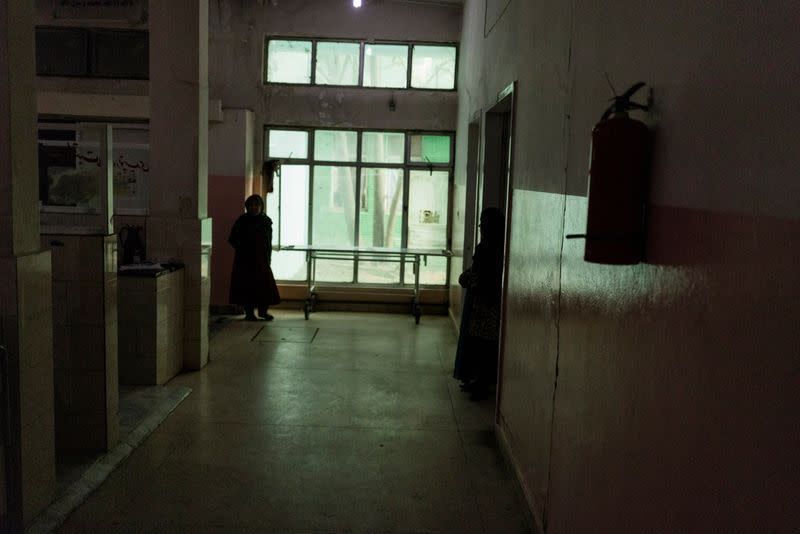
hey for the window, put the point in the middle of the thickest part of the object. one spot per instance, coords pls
(385, 66)
(120, 54)
(334, 194)
(333, 219)
(337, 63)
(62, 52)
(347, 188)
(288, 207)
(288, 144)
(430, 148)
(383, 147)
(289, 61)
(427, 222)
(92, 53)
(360, 64)
(381, 202)
(433, 67)
(65, 182)
(335, 145)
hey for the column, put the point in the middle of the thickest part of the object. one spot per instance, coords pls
(178, 226)
(26, 324)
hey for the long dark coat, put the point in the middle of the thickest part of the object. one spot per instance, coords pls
(252, 281)
(480, 314)
(483, 280)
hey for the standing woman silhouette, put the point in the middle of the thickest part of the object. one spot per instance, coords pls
(252, 282)
(478, 344)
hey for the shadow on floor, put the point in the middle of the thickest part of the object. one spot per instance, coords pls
(78, 474)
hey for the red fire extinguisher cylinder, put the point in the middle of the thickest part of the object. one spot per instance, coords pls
(619, 167)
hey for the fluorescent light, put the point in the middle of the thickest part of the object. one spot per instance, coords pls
(356, 3)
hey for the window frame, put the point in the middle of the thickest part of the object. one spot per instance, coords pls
(315, 43)
(411, 65)
(406, 167)
(90, 35)
(313, 61)
(408, 65)
(362, 45)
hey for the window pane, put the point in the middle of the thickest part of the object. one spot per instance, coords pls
(431, 272)
(430, 148)
(62, 52)
(385, 65)
(380, 208)
(378, 272)
(334, 271)
(383, 147)
(291, 227)
(55, 158)
(288, 144)
(433, 67)
(289, 61)
(332, 145)
(131, 168)
(334, 206)
(289, 265)
(427, 222)
(337, 63)
(73, 173)
(120, 54)
(334, 219)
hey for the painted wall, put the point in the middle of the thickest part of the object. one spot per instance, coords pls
(660, 397)
(236, 53)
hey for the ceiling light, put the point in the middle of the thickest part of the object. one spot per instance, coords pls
(356, 3)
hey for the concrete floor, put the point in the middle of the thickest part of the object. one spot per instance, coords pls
(343, 423)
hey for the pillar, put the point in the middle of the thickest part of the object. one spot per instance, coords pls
(178, 226)
(26, 324)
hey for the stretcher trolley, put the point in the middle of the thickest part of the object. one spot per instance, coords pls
(413, 257)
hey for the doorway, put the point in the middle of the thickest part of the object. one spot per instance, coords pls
(494, 183)
(495, 191)
(480, 342)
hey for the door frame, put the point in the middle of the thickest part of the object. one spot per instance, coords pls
(473, 187)
(505, 103)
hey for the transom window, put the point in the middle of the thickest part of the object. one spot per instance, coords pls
(92, 52)
(360, 64)
(360, 188)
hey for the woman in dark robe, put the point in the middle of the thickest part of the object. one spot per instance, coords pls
(252, 282)
(477, 351)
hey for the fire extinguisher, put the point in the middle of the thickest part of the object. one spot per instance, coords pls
(618, 183)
